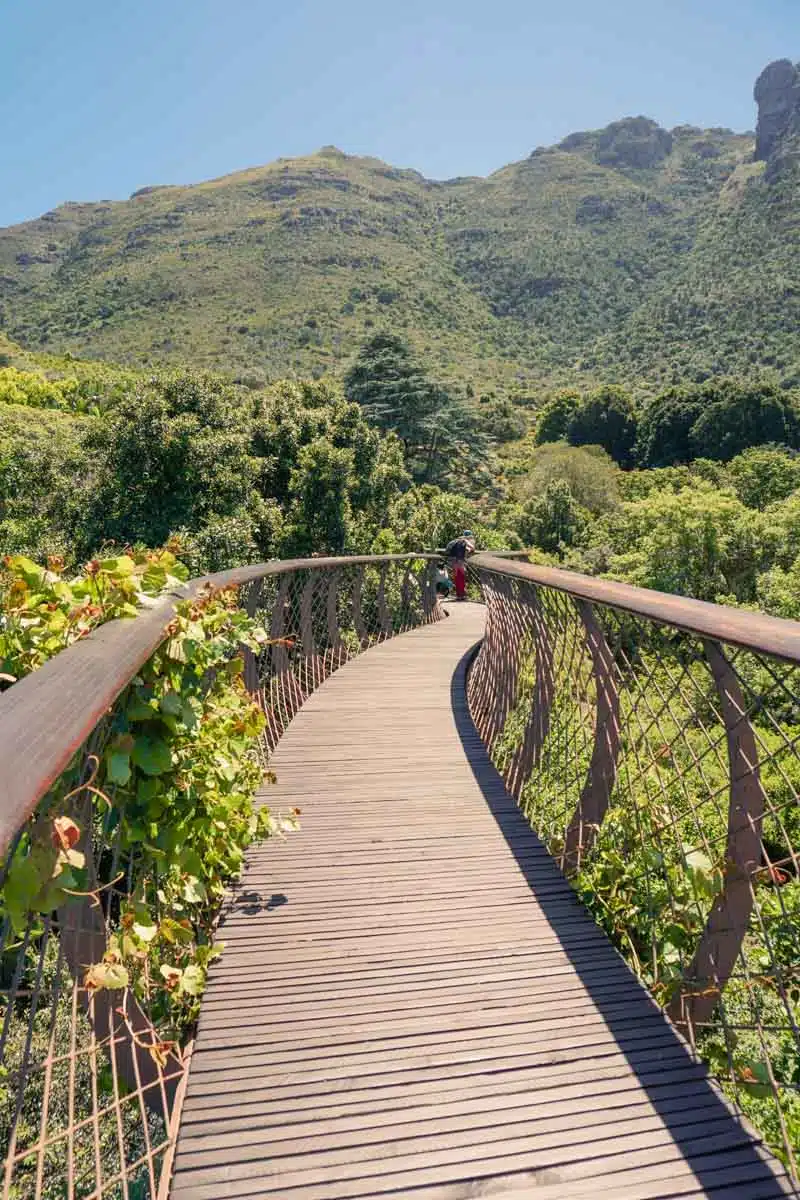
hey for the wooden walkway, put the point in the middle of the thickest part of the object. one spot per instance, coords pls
(411, 1002)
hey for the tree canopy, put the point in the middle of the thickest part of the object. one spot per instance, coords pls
(555, 416)
(442, 435)
(738, 414)
(665, 427)
(606, 418)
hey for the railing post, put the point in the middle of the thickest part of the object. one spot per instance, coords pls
(123, 1029)
(289, 692)
(537, 726)
(384, 616)
(506, 656)
(482, 680)
(430, 600)
(602, 773)
(250, 659)
(312, 670)
(721, 941)
(337, 651)
(405, 597)
(358, 618)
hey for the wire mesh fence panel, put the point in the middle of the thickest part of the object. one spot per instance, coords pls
(94, 1047)
(661, 767)
(90, 1068)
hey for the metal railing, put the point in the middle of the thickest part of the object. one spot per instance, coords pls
(90, 1083)
(654, 743)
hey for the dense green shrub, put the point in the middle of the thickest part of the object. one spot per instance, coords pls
(500, 419)
(591, 475)
(696, 541)
(173, 453)
(555, 416)
(764, 475)
(665, 426)
(46, 481)
(553, 520)
(736, 415)
(606, 418)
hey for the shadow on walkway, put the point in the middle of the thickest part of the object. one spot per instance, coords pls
(599, 966)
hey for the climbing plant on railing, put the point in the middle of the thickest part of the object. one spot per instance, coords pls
(132, 848)
(43, 612)
(171, 789)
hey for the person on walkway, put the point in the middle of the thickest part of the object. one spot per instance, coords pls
(444, 584)
(458, 551)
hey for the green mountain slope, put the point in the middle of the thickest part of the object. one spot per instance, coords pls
(621, 252)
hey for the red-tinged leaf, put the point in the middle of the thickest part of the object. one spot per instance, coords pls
(160, 1052)
(172, 976)
(65, 834)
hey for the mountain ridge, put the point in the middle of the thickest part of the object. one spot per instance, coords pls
(628, 251)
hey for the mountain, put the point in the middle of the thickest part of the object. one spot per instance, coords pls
(631, 252)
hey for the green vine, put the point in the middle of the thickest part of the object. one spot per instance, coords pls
(169, 809)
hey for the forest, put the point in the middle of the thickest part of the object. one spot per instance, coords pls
(696, 491)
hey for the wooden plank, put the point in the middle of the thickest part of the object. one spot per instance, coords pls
(263, 1176)
(376, 1121)
(649, 1063)
(412, 1002)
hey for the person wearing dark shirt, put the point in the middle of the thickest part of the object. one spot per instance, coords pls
(458, 551)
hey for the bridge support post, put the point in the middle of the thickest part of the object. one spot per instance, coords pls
(384, 616)
(336, 649)
(250, 660)
(602, 773)
(714, 959)
(362, 632)
(537, 727)
(120, 1026)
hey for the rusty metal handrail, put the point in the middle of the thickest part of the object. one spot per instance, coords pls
(757, 631)
(71, 693)
(654, 743)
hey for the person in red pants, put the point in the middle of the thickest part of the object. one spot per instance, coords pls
(457, 552)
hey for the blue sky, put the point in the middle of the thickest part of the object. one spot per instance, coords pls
(101, 97)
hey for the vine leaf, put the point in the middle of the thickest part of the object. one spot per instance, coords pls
(20, 891)
(118, 767)
(108, 975)
(194, 891)
(152, 756)
(193, 980)
(145, 933)
(172, 976)
(172, 931)
(172, 704)
(66, 833)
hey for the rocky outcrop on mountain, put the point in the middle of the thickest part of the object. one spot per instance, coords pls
(777, 94)
(634, 143)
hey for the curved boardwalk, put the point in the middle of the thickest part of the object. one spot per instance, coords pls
(411, 1003)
